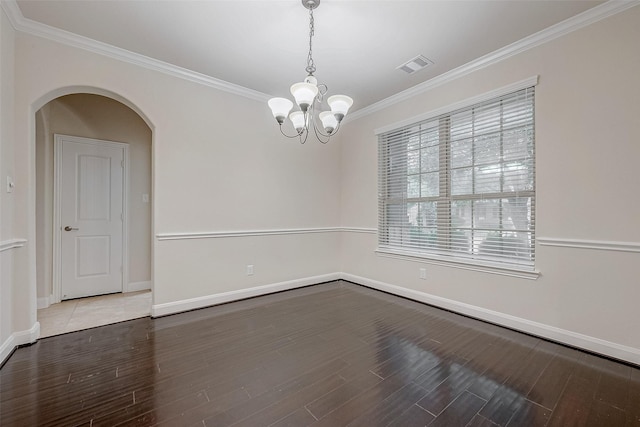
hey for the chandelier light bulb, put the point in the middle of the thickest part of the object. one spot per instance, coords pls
(329, 121)
(304, 93)
(339, 104)
(297, 118)
(280, 108)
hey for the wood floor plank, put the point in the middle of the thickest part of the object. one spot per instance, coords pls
(456, 383)
(613, 387)
(215, 405)
(334, 354)
(529, 414)
(577, 400)
(337, 397)
(480, 421)
(547, 389)
(509, 397)
(291, 403)
(633, 413)
(391, 408)
(299, 418)
(151, 413)
(603, 414)
(325, 375)
(364, 401)
(460, 412)
(414, 416)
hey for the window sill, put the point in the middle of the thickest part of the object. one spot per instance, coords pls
(458, 263)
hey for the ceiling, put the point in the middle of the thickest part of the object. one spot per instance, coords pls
(262, 44)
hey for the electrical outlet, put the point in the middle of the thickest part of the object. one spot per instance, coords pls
(250, 270)
(10, 184)
(423, 273)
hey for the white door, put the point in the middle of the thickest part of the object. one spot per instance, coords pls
(90, 216)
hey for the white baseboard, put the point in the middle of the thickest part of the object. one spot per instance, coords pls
(138, 286)
(596, 345)
(6, 348)
(19, 338)
(44, 302)
(209, 300)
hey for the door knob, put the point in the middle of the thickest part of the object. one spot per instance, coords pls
(67, 228)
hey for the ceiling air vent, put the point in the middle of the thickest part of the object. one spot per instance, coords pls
(415, 64)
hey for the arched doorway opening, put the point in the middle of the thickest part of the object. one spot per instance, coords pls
(93, 116)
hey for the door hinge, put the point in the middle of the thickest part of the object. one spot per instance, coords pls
(121, 216)
(122, 164)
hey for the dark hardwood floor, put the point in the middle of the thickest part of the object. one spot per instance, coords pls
(328, 355)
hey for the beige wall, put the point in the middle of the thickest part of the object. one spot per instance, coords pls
(6, 128)
(6, 166)
(587, 133)
(97, 117)
(17, 312)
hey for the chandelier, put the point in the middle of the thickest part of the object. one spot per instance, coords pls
(309, 96)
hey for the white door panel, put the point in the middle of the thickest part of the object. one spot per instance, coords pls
(91, 217)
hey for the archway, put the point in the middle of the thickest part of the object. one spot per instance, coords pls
(101, 115)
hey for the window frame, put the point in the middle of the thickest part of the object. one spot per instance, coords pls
(443, 255)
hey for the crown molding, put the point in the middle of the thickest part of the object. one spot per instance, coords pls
(560, 29)
(12, 11)
(28, 26)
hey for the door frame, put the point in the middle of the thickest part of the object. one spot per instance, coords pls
(57, 208)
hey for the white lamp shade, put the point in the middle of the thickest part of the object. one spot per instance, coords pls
(297, 118)
(329, 121)
(280, 108)
(304, 93)
(339, 104)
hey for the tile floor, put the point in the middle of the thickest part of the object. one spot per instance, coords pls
(74, 315)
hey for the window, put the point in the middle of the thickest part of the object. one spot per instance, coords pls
(461, 186)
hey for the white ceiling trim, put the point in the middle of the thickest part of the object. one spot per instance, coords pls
(567, 26)
(12, 11)
(20, 23)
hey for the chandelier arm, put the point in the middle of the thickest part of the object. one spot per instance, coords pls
(319, 134)
(318, 130)
(299, 134)
(335, 131)
(322, 90)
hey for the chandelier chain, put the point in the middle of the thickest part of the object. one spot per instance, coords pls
(311, 66)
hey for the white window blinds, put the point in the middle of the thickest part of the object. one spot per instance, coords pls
(461, 186)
